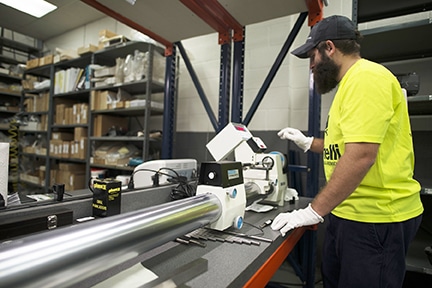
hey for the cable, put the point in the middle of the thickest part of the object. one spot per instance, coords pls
(157, 173)
(256, 227)
(184, 188)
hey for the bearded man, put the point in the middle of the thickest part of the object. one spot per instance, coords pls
(371, 200)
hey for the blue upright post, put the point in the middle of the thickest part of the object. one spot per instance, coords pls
(238, 77)
(224, 86)
(169, 106)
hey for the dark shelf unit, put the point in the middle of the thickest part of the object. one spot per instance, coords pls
(35, 159)
(370, 10)
(12, 53)
(406, 46)
(398, 42)
(142, 114)
(104, 57)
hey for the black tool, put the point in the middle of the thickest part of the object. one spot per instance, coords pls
(266, 223)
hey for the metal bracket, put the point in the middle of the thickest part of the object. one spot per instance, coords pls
(51, 222)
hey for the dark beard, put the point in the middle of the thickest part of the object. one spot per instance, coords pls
(325, 74)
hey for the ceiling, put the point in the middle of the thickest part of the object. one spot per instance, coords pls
(68, 16)
(169, 19)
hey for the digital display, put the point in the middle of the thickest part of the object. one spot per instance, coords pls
(240, 127)
(233, 174)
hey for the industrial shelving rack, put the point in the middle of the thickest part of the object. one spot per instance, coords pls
(404, 48)
(142, 114)
(39, 157)
(229, 19)
(13, 52)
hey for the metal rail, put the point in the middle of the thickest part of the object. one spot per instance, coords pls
(67, 256)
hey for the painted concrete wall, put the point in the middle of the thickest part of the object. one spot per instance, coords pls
(286, 102)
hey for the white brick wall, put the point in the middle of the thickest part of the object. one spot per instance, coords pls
(286, 101)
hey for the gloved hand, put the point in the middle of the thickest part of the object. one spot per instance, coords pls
(297, 218)
(297, 137)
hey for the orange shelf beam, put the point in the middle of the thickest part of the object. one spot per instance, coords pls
(315, 8)
(269, 268)
(217, 17)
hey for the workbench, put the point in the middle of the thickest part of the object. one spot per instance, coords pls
(223, 264)
(231, 264)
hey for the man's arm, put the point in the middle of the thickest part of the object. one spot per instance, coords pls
(317, 145)
(349, 172)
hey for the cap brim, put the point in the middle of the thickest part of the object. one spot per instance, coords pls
(302, 51)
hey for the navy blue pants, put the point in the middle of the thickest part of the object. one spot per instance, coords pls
(370, 255)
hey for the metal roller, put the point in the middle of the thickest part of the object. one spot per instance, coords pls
(253, 192)
(67, 256)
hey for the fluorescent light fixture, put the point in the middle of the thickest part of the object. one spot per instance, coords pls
(36, 8)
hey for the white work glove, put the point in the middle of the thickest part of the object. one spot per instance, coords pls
(297, 218)
(297, 137)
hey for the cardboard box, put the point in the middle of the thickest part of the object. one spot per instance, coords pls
(99, 99)
(74, 150)
(73, 180)
(105, 33)
(66, 149)
(84, 113)
(29, 104)
(89, 48)
(41, 151)
(80, 113)
(79, 133)
(69, 116)
(56, 147)
(117, 162)
(82, 148)
(113, 40)
(72, 167)
(79, 149)
(116, 105)
(41, 102)
(64, 136)
(60, 114)
(44, 122)
(46, 60)
(103, 123)
(29, 149)
(104, 72)
(32, 63)
(62, 54)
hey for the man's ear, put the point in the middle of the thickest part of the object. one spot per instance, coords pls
(330, 47)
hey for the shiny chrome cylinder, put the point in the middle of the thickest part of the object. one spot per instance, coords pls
(67, 256)
(253, 193)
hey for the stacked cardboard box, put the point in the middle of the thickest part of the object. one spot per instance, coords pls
(100, 99)
(69, 145)
(59, 144)
(46, 60)
(37, 102)
(80, 113)
(53, 173)
(72, 175)
(78, 148)
(71, 113)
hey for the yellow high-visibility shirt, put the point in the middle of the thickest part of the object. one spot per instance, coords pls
(370, 107)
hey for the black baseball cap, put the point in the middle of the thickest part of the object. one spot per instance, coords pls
(331, 28)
